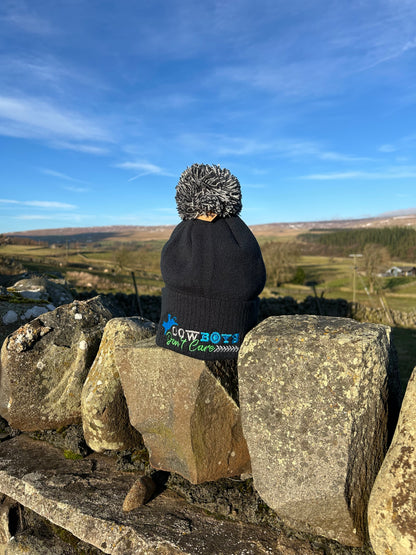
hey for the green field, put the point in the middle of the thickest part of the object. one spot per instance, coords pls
(109, 265)
(106, 265)
(334, 277)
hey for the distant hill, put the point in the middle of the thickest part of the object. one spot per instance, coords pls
(122, 233)
(381, 221)
(145, 233)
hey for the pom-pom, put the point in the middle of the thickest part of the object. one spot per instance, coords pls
(204, 189)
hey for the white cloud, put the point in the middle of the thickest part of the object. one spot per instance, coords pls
(42, 72)
(320, 51)
(294, 149)
(32, 71)
(18, 15)
(240, 146)
(60, 217)
(79, 147)
(65, 177)
(8, 201)
(387, 148)
(145, 168)
(225, 145)
(39, 204)
(49, 204)
(39, 119)
(60, 175)
(338, 175)
(339, 157)
(398, 173)
(76, 189)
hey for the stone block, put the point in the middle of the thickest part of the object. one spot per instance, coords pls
(85, 497)
(314, 393)
(105, 417)
(189, 423)
(392, 506)
(44, 365)
(54, 290)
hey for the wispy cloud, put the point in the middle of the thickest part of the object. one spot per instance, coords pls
(295, 149)
(306, 61)
(19, 15)
(238, 146)
(287, 79)
(80, 147)
(397, 173)
(55, 217)
(387, 148)
(404, 144)
(39, 119)
(225, 145)
(65, 177)
(39, 204)
(60, 175)
(76, 189)
(32, 71)
(144, 168)
(42, 72)
(393, 47)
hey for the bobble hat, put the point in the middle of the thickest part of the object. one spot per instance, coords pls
(213, 271)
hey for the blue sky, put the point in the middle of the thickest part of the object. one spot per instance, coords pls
(103, 103)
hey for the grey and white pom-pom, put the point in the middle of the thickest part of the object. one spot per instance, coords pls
(204, 189)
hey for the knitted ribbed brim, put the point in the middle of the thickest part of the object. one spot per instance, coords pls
(199, 327)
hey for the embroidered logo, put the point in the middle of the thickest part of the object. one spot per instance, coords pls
(202, 341)
(169, 323)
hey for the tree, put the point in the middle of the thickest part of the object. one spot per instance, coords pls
(375, 259)
(281, 261)
(123, 257)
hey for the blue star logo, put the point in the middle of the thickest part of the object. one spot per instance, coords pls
(169, 323)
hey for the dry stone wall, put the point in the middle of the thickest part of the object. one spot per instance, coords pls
(296, 399)
(277, 306)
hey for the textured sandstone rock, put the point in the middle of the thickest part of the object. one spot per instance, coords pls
(392, 507)
(313, 399)
(44, 365)
(29, 298)
(7, 505)
(85, 497)
(15, 314)
(139, 494)
(25, 543)
(105, 417)
(189, 423)
(54, 290)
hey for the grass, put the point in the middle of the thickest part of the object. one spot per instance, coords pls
(112, 261)
(334, 277)
(97, 264)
